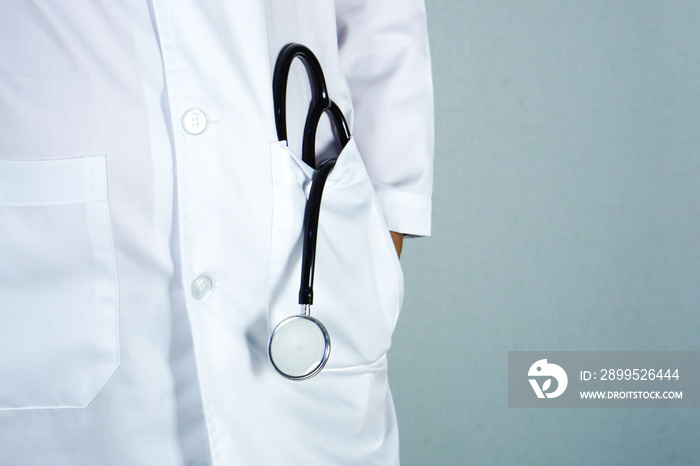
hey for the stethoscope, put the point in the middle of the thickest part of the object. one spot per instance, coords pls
(300, 346)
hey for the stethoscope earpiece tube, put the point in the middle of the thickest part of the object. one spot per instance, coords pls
(319, 93)
(300, 346)
(341, 130)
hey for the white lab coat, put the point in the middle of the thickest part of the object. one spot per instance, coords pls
(150, 229)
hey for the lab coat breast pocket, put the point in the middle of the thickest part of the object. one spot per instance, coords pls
(358, 283)
(58, 283)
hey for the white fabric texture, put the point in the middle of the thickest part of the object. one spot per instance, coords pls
(112, 206)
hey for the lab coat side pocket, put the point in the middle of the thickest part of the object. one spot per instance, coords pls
(358, 284)
(58, 284)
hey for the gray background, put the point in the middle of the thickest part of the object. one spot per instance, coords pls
(566, 217)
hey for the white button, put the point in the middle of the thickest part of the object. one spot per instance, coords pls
(202, 286)
(194, 121)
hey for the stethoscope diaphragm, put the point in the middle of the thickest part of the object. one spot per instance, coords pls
(299, 347)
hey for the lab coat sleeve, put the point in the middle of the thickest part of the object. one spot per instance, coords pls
(386, 60)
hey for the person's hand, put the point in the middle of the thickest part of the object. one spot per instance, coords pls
(398, 241)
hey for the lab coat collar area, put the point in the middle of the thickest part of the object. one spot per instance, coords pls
(150, 235)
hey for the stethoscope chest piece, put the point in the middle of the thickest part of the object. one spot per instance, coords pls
(299, 347)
